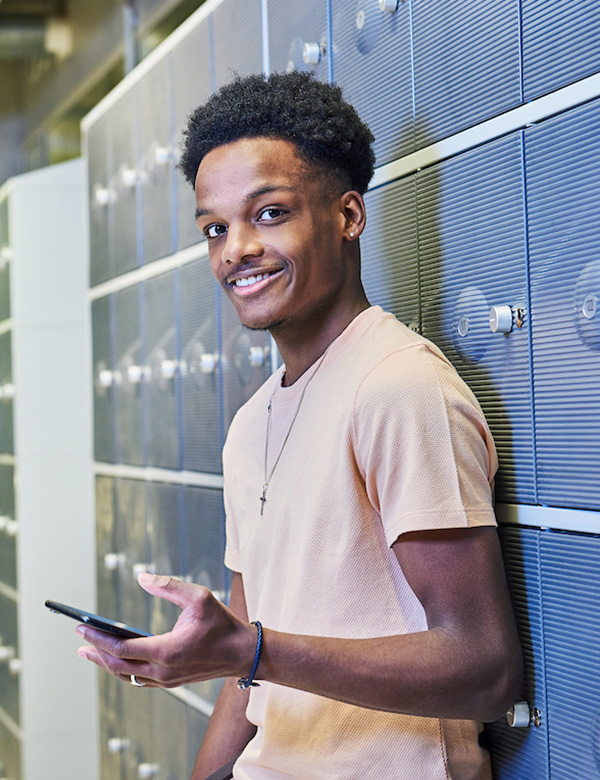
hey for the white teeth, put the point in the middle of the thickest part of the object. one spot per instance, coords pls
(249, 280)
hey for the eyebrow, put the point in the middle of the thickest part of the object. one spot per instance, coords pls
(251, 196)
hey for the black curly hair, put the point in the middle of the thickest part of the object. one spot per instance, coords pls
(327, 131)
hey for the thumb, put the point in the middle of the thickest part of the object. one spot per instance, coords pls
(176, 591)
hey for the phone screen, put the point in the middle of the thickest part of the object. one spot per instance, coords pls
(96, 621)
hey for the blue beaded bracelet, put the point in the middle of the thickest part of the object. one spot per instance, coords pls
(247, 682)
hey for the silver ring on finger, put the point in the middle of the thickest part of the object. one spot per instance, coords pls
(134, 681)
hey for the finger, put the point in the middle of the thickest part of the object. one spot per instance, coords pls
(131, 649)
(176, 591)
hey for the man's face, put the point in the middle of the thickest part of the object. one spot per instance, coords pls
(275, 236)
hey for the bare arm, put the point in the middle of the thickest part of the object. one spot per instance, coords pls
(466, 665)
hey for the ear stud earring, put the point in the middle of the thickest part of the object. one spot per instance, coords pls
(351, 235)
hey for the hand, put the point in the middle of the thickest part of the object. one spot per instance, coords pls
(207, 641)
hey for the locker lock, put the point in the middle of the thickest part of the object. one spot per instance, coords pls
(501, 319)
(258, 356)
(148, 770)
(162, 155)
(104, 196)
(135, 374)
(105, 377)
(129, 177)
(11, 528)
(521, 716)
(113, 560)
(312, 53)
(117, 744)
(6, 254)
(208, 363)
(7, 391)
(168, 369)
(15, 665)
(388, 6)
(140, 568)
(6, 653)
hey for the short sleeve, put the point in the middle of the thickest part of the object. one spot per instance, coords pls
(422, 445)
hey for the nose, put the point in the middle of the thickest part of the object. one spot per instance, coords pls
(242, 244)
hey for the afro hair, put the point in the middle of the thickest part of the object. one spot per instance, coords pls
(296, 107)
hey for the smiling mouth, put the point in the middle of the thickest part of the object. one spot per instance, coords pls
(255, 281)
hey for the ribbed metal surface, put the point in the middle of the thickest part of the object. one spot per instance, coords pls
(6, 402)
(163, 372)
(237, 40)
(107, 566)
(164, 516)
(138, 720)
(156, 163)
(291, 26)
(466, 64)
(129, 386)
(101, 225)
(102, 357)
(563, 180)
(8, 681)
(561, 43)
(111, 727)
(4, 290)
(170, 728)
(202, 430)
(517, 752)
(10, 751)
(8, 562)
(372, 63)
(197, 723)
(390, 270)
(192, 55)
(472, 257)
(571, 583)
(132, 542)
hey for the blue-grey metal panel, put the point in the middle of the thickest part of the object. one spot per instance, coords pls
(200, 369)
(197, 724)
(157, 163)
(390, 270)
(8, 542)
(163, 371)
(101, 201)
(10, 754)
(4, 265)
(519, 752)
(291, 26)
(102, 357)
(472, 256)
(191, 56)
(9, 634)
(570, 587)
(372, 64)
(164, 521)
(561, 43)
(237, 40)
(108, 560)
(112, 744)
(139, 728)
(246, 361)
(130, 377)
(466, 64)
(563, 180)
(6, 402)
(171, 735)
(134, 549)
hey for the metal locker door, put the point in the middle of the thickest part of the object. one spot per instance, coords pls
(472, 257)
(161, 336)
(390, 270)
(113, 743)
(7, 392)
(125, 181)
(562, 169)
(246, 361)
(466, 64)
(197, 724)
(200, 369)
(101, 198)
(133, 549)
(104, 380)
(203, 549)
(10, 754)
(164, 521)
(171, 734)
(5, 256)
(523, 752)
(192, 85)
(108, 557)
(130, 377)
(156, 165)
(237, 37)
(570, 587)
(372, 64)
(141, 756)
(561, 42)
(298, 37)
(9, 644)
(8, 527)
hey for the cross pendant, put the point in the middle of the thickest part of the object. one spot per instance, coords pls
(263, 499)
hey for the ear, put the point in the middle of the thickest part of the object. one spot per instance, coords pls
(354, 216)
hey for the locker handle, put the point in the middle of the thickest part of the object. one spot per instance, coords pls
(117, 744)
(312, 53)
(15, 665)
(140, 568)
(521, 716)
(501, 319)
(7, 391)
(6, 254)
(6, 653)
(113, 560)
(162, 155)
(148, 770)
(388, 6)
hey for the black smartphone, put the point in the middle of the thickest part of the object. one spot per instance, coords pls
(95, 621)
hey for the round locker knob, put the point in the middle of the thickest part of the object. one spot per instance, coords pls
(7, 391)
(135, 374)
(129, 177)
(501, 319)
(311, 53)
(162, 155)
(103, 196)
(113, 560)
(6, 253)
(12, 528)
(208, 363)
(168, 369)
(147, 770)
(15, 665)
(590, 306)
(140, 568)
(105, 377)
(6, 653)
(258, 357)
(519, 715)
(117, 744)
(4, 520)
(388, 6)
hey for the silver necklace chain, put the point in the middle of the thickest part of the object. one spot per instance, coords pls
(263, 498)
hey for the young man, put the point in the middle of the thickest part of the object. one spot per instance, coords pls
(360, 527)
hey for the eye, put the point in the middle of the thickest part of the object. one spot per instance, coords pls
(214, 231)
(270, 214)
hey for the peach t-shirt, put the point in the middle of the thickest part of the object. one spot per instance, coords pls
(388, 439)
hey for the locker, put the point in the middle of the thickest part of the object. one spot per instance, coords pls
(142, 758)
(197, 723)
(4, 287)
(192, 55)
(130, 376)
(8, 545)
(133, 548)
(298, 37)
(7, 392)
(562, 164)
(472, 258)
(109, 558)
(246, 361)
(372, 64)
(523, 752)
(561, 42)
(390, 270)
(203, 547)
(10, 754)
(113, 744)
(104, 378)
(237, 39)
(466, 64)
(101, 197)
(200, 369)
(164, 519)
(156, 164)
(571, 582)
(170, 728)
(162, 417)
(9, 681)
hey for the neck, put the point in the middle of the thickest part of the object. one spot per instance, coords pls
(300, 349)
